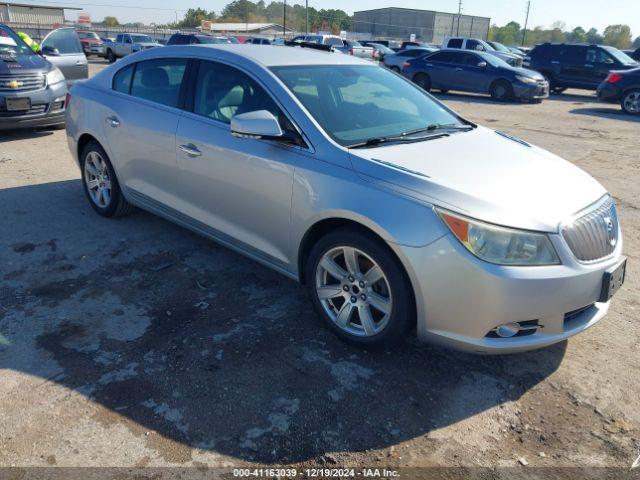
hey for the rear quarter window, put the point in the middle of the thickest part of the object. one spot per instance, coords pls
(455, 43)
(122, 79)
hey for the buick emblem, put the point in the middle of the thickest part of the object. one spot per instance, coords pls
(612, 234)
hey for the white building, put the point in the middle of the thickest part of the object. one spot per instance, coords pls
(246, 28)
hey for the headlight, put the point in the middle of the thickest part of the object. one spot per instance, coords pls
(55, 76)
(529, 80)
(501, 245)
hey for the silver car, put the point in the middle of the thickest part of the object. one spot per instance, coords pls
(396, 212)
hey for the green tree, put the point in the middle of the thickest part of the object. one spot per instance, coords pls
(194, 17)
(111, 21)
(594, 37)
(618, 36)
(577, 35)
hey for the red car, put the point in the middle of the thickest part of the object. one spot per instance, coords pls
(92, 44)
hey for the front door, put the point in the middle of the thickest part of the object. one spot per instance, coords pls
(238, 188)
(63, 49)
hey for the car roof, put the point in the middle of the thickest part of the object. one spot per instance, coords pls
(266, 55)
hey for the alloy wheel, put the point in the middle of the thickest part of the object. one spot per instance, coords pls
(353, 291)
(631, 102)
(97, 179)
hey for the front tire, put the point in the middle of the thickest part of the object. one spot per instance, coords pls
(630, 102)
(100, 183)
(423, 81)
(501, 91)
(111, 57)
(360, 289)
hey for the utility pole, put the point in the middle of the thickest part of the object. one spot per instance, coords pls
(306, 29)
(284, 23)
(526, 22)
(459, 15)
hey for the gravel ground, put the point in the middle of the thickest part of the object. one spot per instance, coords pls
(135, 343)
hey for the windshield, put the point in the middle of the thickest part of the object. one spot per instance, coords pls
(382, 48)
(11, 44)
(141, 39)
(356, 103)
(620, 56)
(494, 61)
(211, 40)
(500, 47)
(88, 35)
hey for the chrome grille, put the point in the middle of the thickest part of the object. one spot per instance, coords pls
(21, 82)
(594, 235)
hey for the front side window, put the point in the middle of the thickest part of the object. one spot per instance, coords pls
(65, 40)
(222, 92)
(334, 42)
(356, 103)
(159, 80)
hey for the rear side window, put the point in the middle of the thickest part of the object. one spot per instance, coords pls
(442, 57)
(455, 43)
(159, 80)
(544, 52)
(122, 79)
(474, 45)
(413, 53)
(179, 40)
(573, 54)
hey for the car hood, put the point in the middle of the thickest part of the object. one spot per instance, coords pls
(525, 72)
(23, 64)
(484, 175)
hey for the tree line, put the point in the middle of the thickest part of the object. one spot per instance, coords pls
(512, 33)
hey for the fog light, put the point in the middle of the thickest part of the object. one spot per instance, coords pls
(508, 330)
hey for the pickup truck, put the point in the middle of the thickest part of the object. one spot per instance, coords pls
(349, 47)
(128, 43)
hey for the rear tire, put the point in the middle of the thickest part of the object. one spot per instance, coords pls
(101, 184)
(395, 69)
(366, 300)
(501, 91)
(111, 57)
(423, 81)
(630, 102)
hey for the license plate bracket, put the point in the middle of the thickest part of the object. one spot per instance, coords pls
(18, 104)
(613, 280)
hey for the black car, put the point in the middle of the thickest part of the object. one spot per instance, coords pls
(575, 65)
(636, 55)
(622, 86)
(193, 38)
(476, 72)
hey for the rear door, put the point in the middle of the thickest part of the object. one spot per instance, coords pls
(572, 69)
(63, 49)
(441, 69)
(140, 124)
(474, 78)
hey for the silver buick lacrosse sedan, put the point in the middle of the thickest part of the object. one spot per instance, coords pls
(396, 212)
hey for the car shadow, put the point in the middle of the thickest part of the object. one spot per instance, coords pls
(614, 113)
(181, 338)
(27, 133)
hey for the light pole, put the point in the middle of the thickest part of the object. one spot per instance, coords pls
(306, 29)
(284, 16)
(526, 22)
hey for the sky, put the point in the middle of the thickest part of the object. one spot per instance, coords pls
(585, 13)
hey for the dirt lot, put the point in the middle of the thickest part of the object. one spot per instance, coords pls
(136, 343)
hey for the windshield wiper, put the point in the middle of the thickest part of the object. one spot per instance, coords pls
(408, 135)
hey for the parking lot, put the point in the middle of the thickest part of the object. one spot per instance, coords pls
(134, 342)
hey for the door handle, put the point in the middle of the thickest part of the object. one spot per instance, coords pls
(429, 64)
(588, 65)
(555, 62)
(458, 69)
(113, 121)
(79, 62)
(191, 150)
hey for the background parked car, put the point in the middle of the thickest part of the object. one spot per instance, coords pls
(380, 51)
(195, 38)
(63, 49)
(477, 72)
(395, 62)
(498, 47)
(32, 90)
(478, 45)
(622, 86)
(92, 44)
(567, 65)
(128, 43)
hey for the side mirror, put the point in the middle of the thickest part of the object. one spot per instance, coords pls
(609, 61)
(260, 124)
(480, 48)
(482, 64)
(49, 50)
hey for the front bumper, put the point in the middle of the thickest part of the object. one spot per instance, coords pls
(45, 111)
(526, 91)
(608, 93)
(461, 299)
